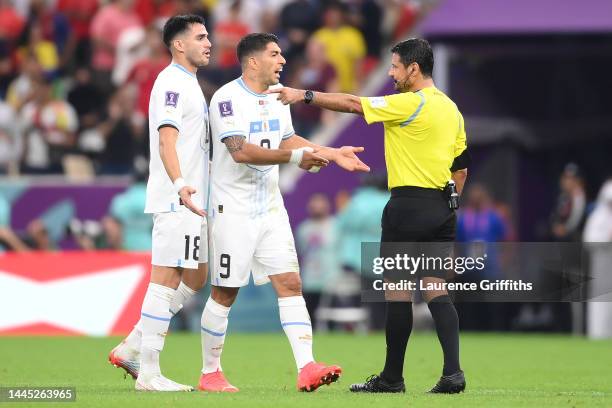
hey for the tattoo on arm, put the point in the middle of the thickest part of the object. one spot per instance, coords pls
(234, 143)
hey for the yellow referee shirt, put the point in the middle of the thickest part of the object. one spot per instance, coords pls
(424, 132)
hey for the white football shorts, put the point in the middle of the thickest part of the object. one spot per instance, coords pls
(241, 246)
(177, 241)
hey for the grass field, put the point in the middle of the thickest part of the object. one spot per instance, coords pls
(501, 371)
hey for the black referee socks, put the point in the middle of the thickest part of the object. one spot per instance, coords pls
(397, 332)
(447, 326)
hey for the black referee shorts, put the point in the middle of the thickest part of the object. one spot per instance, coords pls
(418, 215)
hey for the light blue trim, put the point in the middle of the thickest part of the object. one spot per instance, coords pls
(288, 135)
(416, 112)
(214, 333)
(163, 319)
(182, 68)
(169, 122)
(172, 207)
(295, 324)
(179, 262)
(231, 133)
(246, 88)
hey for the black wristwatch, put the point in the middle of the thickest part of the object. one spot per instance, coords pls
(308, 96)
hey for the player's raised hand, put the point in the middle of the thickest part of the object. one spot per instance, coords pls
(312, 159)
(287, 95)
(185, 195)
(348, 160)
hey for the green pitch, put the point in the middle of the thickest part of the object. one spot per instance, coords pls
(501, 370)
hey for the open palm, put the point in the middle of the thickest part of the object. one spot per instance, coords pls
(348, 160)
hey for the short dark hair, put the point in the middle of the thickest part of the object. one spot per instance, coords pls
(253, 43)
(177, 24)
(416, 50)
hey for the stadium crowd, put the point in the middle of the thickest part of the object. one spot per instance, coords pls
(75, 75)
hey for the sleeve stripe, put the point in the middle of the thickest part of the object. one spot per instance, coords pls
(288, 135)
(168, 122)
(416, 112)
(231, 133)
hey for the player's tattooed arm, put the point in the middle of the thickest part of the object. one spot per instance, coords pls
(234, 143)
(245, 152)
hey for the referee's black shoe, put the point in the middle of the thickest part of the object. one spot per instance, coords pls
(450, 384)
(375, 383)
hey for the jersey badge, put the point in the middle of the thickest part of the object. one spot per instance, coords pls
(225, 108)
(172, 98)
(378, 102)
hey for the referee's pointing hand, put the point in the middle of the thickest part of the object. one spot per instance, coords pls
(287, 95)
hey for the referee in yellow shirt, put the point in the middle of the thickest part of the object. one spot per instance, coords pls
(425, 147)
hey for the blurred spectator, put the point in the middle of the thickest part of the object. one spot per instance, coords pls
(228, 33)
(21, 89)
(106, 28)
(598, 232)
(367, 15)
(6, 66)
(10, 148)
(121, 131)
(406, 15)
(479, 221)
(54, 27)
(44, 51)
(145, 71)
(315, 244)
(359, 222)
(51, 227)
(85, 98)
(298, 19)
(568, 216)
(11, 23)
(251, 12)
(49, 130)
(316, 74)
(344, 46)
(155, 12)
(9, 241)
(127, 226)
(80, 13)
(131, 48)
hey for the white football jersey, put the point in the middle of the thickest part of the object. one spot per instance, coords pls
(177, 100)
(239, 188)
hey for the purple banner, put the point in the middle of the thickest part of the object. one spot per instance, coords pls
(517, 16)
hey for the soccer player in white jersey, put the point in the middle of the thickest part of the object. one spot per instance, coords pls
(249, 227)
(176, 195)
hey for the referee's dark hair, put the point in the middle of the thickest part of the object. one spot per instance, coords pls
(416, 50)
(178, 24)
(254, 42)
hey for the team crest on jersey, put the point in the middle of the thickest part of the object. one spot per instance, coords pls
(225, 108)
(172, 98)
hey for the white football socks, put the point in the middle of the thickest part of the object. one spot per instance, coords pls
(155, 319)
(183, 293)
(214, 326)
(296, 324)
(134, 339)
